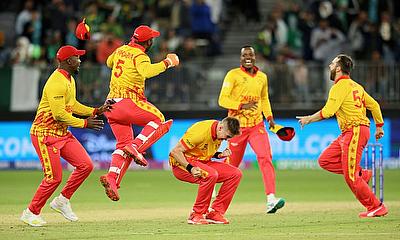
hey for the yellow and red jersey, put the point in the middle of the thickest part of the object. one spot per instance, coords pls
(58, 103)
(240, 87)
(349, 101)
(200, 142)
(131, 66)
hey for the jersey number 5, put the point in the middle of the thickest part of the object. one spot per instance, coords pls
(118, 68)
(357, 99)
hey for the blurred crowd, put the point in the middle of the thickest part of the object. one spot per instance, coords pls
(300, 38)
(190, 28)
(294, 41)
(318, 29)
(293, 29)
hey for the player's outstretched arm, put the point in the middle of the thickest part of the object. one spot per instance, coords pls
(304, 120)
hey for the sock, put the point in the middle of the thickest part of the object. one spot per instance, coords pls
(63, 199)
(270, 197)
(29, 211)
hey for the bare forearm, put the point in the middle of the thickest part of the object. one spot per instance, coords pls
(304, 120)
(179, 157)
(315, 117)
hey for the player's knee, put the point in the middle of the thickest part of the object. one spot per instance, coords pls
(237, 173)
(54, 180)
(323, 163)
(86, 167)
(158, 120)
(89, 167)
(212, 176)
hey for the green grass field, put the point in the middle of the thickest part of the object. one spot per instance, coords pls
(154, 205)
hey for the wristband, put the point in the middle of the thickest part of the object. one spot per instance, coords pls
(166, 63)
(189, 168)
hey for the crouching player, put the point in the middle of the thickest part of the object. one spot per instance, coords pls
(191, 162)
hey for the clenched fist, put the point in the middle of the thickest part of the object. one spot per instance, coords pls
(171, 60)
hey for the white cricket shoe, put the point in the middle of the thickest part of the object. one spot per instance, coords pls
(32, 219)
(274, 205)
(63, 207)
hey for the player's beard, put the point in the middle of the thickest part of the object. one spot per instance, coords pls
(77, 69)
(148, 48)
(332, 75)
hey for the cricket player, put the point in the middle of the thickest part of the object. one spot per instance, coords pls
(245, 94)
(349, 101)
(131, 66)
(191, 162)
(52, 140)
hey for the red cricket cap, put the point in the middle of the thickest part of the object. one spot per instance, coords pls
(68, 51)
(144, 33)
(82, 30)
(286, 133)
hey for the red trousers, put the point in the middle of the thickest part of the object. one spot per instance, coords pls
(49, 150)
(257, 136)
(125, 113)
(343, 156)
(218, 172)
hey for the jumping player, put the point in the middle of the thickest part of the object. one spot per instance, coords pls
(52, 140)
(349, 101)
(245, 94)
(131, 66)
(191, 162)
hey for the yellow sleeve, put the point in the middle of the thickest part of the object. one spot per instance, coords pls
(110, 60)
(82, 110)
(372, 105)
(56, 93)
(336, 97)
(191, 138)
(266, 105)
(146, 68)
(225, 99)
